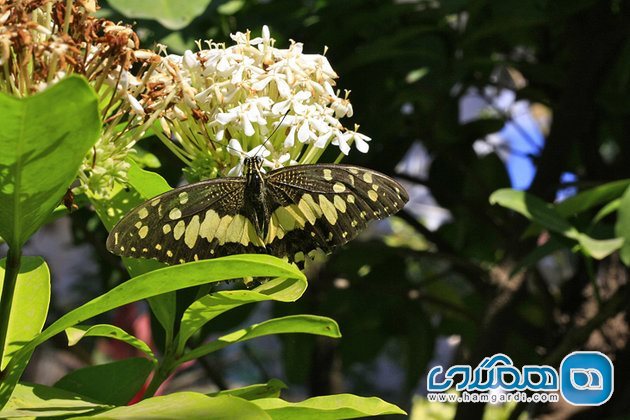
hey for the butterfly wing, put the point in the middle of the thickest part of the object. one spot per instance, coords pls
(321, 207)
(198, 221)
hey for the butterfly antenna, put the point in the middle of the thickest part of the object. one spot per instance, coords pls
(274, 131)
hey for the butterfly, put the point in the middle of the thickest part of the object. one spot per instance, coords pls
(293, 212)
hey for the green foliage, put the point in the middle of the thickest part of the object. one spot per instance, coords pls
(113, 383)
(44, 139)
(546, 216)
(173, 15)
(342, 406)
(30, 304)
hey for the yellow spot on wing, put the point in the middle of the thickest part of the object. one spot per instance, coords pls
(235, 231)
(367, 177)
(221, 232)
(166, 228)
(350, 198)
(328, 175)
(192, 232)
(340, 203)
(144, 230)
(175, 214)
(179, 229)
(373, 195)
(169, 253)
(339, 187)
(155, 202)
(143, 213)
(209, 225)
(183, 197)
(329, 209)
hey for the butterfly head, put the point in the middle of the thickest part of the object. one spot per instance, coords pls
(253, 167)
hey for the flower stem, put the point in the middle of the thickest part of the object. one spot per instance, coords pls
(12, 269)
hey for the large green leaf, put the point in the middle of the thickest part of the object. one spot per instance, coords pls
(114, 383)
(545, 215)
(592, 197)
(75, 334)
(329, 407)
(30, 304)
(43, 140)
(308, 324)
(254, 392)
(151, 284)
(622, 227)
(29, 400)
(212, 305)
(172, 14)
(187, 405)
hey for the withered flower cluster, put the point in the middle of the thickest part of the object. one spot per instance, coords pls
(42, 41)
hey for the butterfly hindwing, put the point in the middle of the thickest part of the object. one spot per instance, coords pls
(197, 221)
(320, 207)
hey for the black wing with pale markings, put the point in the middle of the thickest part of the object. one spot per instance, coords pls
(308, 208)
(197, 221)
(320, 207)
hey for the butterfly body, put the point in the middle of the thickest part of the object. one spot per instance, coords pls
(289, 212)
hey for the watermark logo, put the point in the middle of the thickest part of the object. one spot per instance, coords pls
(586, 378)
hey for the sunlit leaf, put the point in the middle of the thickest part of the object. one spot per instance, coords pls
(48, 133)
(308, 324)
(30, 304)
(187, 405)
(30, 400)
(329, 407)
(214, 304)
(172, 14)
(254, 392)
(76, 333)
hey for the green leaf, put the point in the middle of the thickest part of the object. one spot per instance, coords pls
(231, 7)
(48, 133)
(75, 334)
(29, 400)
(592, 197)
(214, 304)
(622, 227)
(114, 383)
(329, 407)
(308, 324)
(186, 405)
(599, 248)
(172, 14)
(254, 392)
(545, 215)
(151, 284)
(535, 210)
(30, 304)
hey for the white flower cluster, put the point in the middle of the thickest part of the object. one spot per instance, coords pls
(250, 98)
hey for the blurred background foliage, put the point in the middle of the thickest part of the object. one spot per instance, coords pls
(460, 98)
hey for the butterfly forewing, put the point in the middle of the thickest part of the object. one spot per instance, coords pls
(309, 208)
